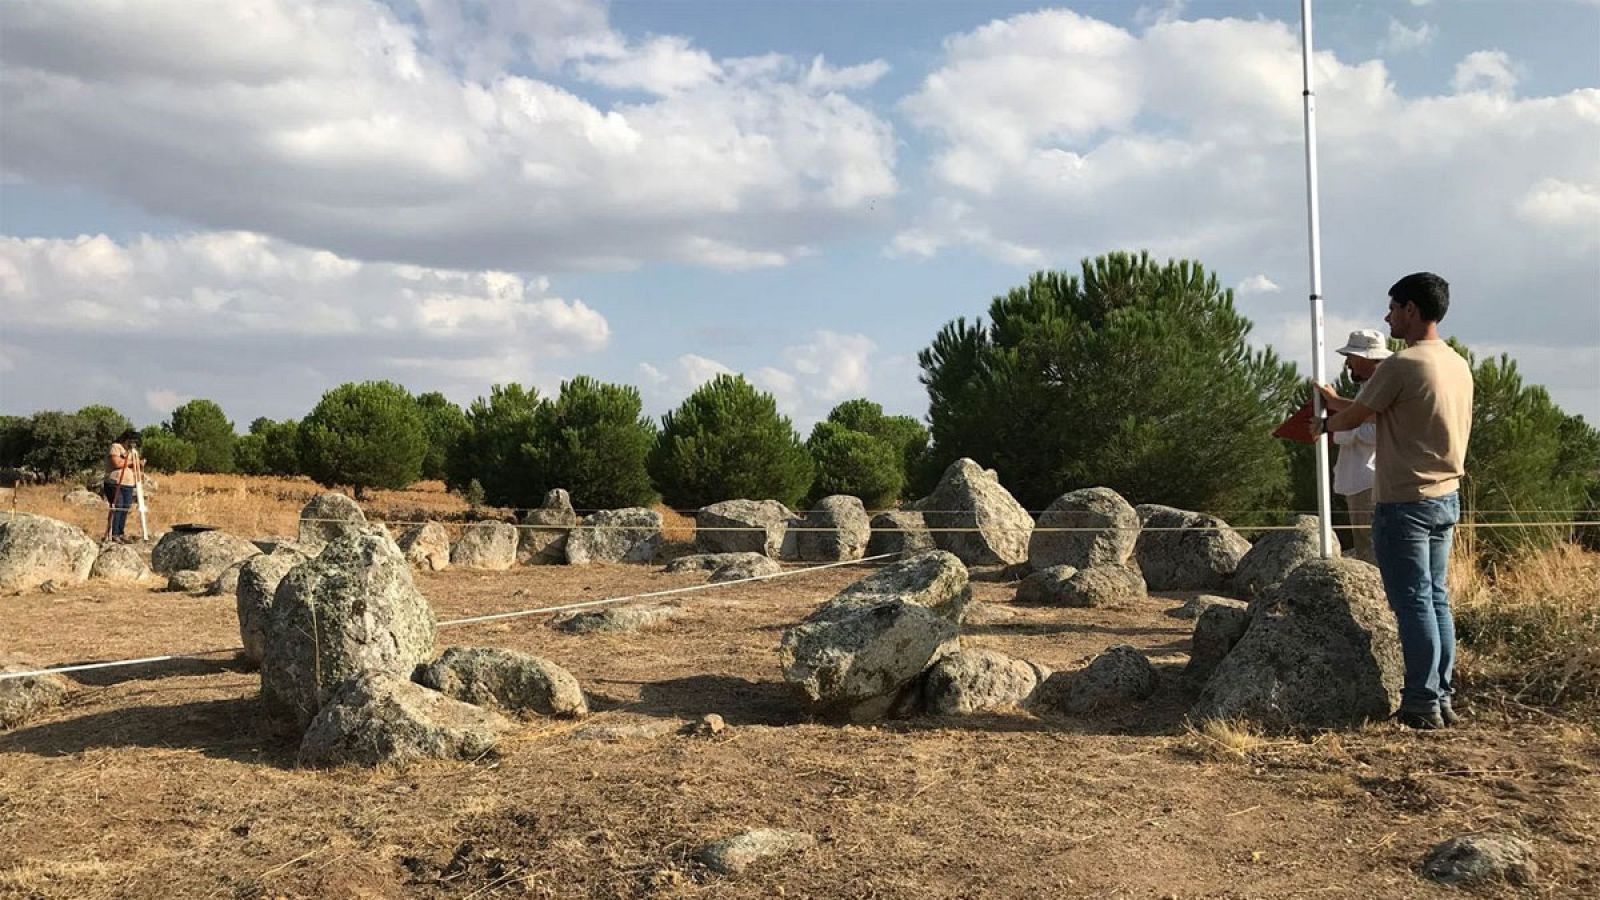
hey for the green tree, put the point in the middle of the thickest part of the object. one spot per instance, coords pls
(445, 425)
(727, 441)
(492, 451)
(250, 454)
(366, 435)
(103, 426)
(1133, 375)
(593, 440)
(906, 435)
(204, 425)
(164, 451)
(856, 463)
(280, 453)
(14, 437)
(60, 445)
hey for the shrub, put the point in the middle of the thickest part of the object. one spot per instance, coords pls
(855, 463)
(204, 425)
(250, 454)
(728, 441)
(1133, 375)
(445, 426)
(164, 451)
(61, 445)
(366, 435)
(280, 453)
(905, 435)
(594, 441)
(491, 452)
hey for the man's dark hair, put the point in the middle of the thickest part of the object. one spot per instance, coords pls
(1429, 292)
(129, 438)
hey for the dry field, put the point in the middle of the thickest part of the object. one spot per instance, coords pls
(165, 781)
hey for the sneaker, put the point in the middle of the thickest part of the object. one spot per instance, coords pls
(1448, 713)
(1420, 721)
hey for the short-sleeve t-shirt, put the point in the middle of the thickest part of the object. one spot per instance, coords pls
(1423, 398)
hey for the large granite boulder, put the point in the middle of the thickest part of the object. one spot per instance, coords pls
(351, 610)
(258, 584)
(1112, 525)
(835, 529)
(1180, 550)
(1216, 633)
(974, 517)
(935, 579)
(616, 535)
(507, 680)
(486, 545)
(862, 654)
(206, 552)
(119, 563)
(544, 532)
(899, 531)
(379, 718)
(426, 546)
(743, 526)
(328, 517)
(1322, 653)
(978, 681)
(1101, 586)
(1276, 554)
(25, 697)
(37, 549)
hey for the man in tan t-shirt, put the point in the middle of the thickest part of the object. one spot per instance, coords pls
(1422, 399)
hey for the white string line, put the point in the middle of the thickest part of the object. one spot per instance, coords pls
(469, 620)
(818, 529)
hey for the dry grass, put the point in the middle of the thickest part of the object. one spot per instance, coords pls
(1530, 624)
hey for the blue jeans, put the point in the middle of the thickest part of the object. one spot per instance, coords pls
(121, 500)
(1411, 542)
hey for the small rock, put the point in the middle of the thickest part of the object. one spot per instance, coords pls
(1046, 587)
(1102, 586)
(749, 565)
(119, 563)
(1118, 676)
(1471, 860)
(226, 584)
(1216, 633)
(507, 680)
(987, 614)
(733, 855)
(1194, 607)
(188, 581)
(616, 619)
(87, 499)
(710, 724)
(23, 698)
(973, 681)
(707, 562)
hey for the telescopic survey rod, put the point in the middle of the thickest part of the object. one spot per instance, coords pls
(1318, 350)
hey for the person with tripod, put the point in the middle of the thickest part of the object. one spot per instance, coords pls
(124, 471)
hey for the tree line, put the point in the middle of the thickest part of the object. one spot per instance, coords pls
(1130, 373)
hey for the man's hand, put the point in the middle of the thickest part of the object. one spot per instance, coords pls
(1331, 400)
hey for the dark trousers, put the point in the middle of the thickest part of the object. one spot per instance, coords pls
(121, 499)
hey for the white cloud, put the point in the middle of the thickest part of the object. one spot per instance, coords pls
(1258, 284)
(823, 77)
(436, 141)
(236, 315)
(1488, 71)
(1059, 137)
(1402, 38)
(163, 400)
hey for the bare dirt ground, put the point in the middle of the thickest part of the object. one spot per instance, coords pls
(166, 781)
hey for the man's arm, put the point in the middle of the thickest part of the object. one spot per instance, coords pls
(1331, 401)
(1353, 416)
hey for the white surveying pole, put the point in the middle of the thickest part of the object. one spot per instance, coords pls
(1318, 349)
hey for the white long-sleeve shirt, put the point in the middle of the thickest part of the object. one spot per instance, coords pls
(1358, 450)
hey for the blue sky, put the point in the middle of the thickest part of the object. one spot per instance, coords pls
(257, 204)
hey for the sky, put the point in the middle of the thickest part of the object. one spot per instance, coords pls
(256, 201)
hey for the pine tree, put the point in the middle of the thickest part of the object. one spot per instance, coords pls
(727, 441)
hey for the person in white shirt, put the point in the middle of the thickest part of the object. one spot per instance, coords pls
(1353, 473)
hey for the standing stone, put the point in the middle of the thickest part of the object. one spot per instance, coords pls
(935, 579)
(899, 531)
(975, 681)
(1216, 633)
(1047, 587)
(1115, 530)
(328, 517)
(544, 533)
(1116, 677)
(378, 718)
(509, 681)
(743, 526)
(206, 552)
(37, 549)
(486, 545)
(23, 698)
(258, 583)
(1322, 653)
(426, 547)
(974, 517)
(836, 529)
(1200, 556)
(352, 609)
(616, 535)
(1275, 555)
(1102, 586)
(119, 563)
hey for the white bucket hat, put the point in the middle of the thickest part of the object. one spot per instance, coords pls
(1367, 344)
